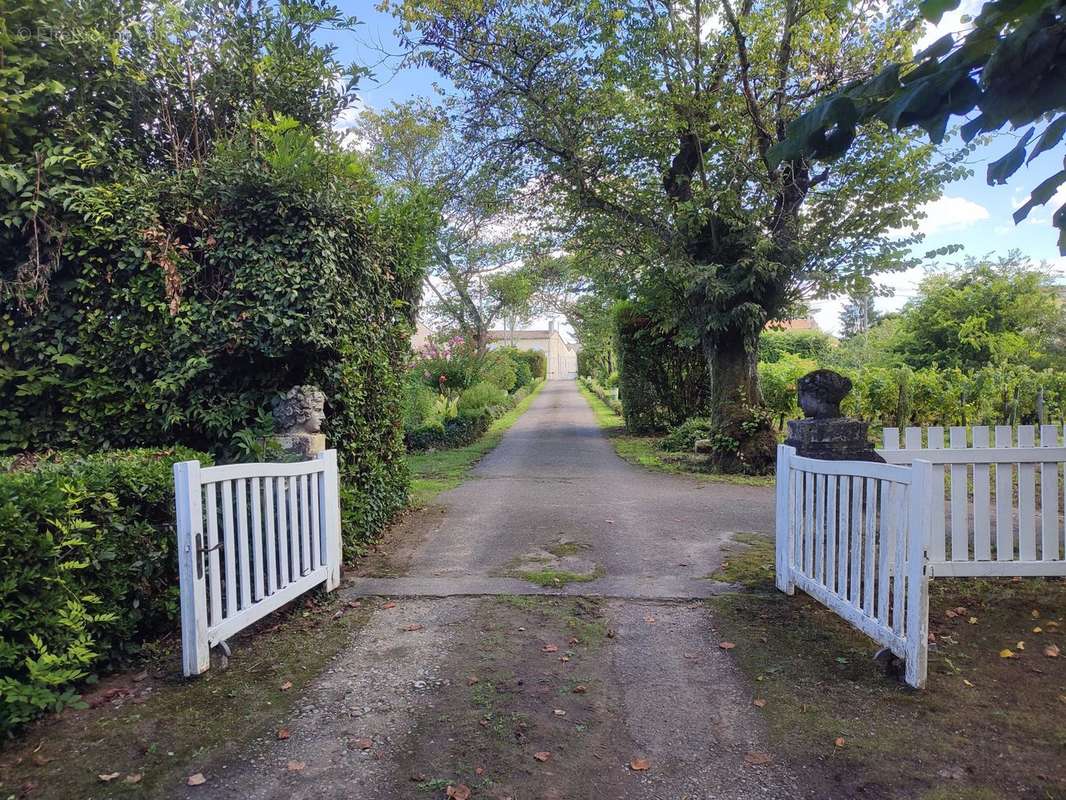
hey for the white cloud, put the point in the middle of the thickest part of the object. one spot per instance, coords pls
(951, 213)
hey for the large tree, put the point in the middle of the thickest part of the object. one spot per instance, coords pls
(646, 125)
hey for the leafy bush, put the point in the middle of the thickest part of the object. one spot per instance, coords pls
(498, 368)
(88, 570)
(483, 395)
(774, 345)
(661, 383)
(523, 375)
(537, 361)
(778, 382)
(419, 404)
(682, 438)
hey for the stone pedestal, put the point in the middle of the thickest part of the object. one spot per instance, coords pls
(835, 439)
(304, 445)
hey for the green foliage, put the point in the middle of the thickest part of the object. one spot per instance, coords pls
(537, 361)
(981, 313)
(773, 345)
(1010, 64)
(419, 403)
(660, 383)
(482, 396)
(682, 438)
(778, 381)
(88, 570)
(499, 369)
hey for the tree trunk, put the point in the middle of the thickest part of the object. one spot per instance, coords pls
(744, 441)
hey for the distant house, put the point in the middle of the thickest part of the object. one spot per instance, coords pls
(421, 335)
(801, 324)
(561, 354)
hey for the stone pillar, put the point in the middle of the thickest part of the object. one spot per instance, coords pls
(824, 433)
(298, 416)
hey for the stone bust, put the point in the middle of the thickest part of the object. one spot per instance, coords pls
(821, 392)
(299, 410)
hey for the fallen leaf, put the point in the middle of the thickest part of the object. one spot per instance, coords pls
(727, 645)
(414, 626)
(460, 792)
(41, 760)
(972, 620)
(1035, 614)
(389, 604)
(364, 743)
(564, 659)
(283, 733)
(472, 680)
(967, 683)
(950, 614)
(559, 712)
(756, 759)
(574, 640)
(839, 741)
(639, 764)
(550, 648)
(579, 689)
(286, 686)
(1019, 646)
(196, 779)
(1006, 652)
(960, 611)
(1038, 629)
(134, 778)
(295, 766)
(542, 755)
(649, 619)
(479, 771)
(1052, 651)
(140, 676)
(110, 776)
(759, 702)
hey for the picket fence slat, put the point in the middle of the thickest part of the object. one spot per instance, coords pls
(1024, 495)
(856, 540)
(868, 561)
(280, 536)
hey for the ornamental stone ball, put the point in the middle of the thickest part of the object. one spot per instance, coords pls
(821, 393)
(298, 416)
(299, 410)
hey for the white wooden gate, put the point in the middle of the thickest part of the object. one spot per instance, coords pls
(851, 534)
(251, 538)
(998, 509)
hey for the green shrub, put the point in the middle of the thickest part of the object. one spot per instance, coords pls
(682, 438)
(498, 368)
(773, 345)
(523, 375)
(272, 278)
(419, 404)
(88, 571)
(425, 437)
(537, 361)
(480, 396)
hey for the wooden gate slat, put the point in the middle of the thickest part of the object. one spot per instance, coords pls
(1026, 499)
(244, 565)
(856, 541)
(937, 534)
(270, 503)
(1049, 498)
(1004, 499)
(229, 549)
(982, 501)
(868, 564)
(214, 576)
(960, 523)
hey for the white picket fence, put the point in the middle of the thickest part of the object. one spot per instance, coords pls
(852, 535)
(251, 538)
(999, 508)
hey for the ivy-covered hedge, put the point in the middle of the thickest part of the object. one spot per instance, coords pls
(88, 571)
(661, 384)
(182, 303)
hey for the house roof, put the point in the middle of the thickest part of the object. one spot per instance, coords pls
(801, 324)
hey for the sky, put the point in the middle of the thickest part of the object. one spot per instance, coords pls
(970, 213)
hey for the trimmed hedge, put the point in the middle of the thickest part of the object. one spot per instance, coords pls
(88, 571)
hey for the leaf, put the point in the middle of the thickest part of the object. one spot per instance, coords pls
(550, 648)
(472, 680)
(1006, 652)
(839, 741)
(1002, 168)
(389, 604)
(579, 689)
(972, 620)
(934, 10)
(758, 759)
(1019, 646)
(295, 766)
(639, 764)
(134, 777)
(650, 619)
(458, 792)
(414, 626)
(286, 686)
(364, 743)
(196, 779)
(1051, 136)
(283, 733)
(542, 755)
(1040, 195)
(108, 777)
(727, 645)
(759, 702)
(1052, 651)
(941, 47)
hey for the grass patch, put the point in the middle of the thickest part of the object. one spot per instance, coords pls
(557, 577)
(441, 470)
(563, 549)
(978, 731)
(581, 616)
(165, 727)
(644, 450)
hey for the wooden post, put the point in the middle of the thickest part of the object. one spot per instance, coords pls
(919, 517)
(784, 527)
(330, 508)
(195, 653)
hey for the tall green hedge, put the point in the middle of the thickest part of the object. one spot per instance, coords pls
(661, 384)
(88, 571)
(182, 303)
